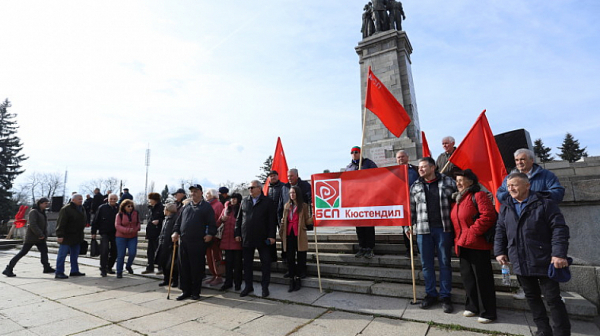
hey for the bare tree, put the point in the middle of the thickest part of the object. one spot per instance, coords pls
(51, 183)
(104, 184)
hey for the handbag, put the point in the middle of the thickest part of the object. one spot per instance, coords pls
(94, 248)
(220, 230)
(83, 248)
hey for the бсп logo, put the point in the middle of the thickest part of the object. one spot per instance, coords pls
(328, 194)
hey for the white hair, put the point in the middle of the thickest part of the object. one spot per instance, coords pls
(449, 138)
(211, 193)
(525, 151)
(258, 184)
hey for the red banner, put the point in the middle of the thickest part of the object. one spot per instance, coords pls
(369, 197)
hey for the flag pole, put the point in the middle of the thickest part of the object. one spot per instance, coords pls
(445, 166)
(362, 142)
(412, 268)
(318, 265)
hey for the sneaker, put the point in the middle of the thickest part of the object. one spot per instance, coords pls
(428, 302)
(468, 313)
(519, 295)
(484, 320)
(369, 253)
(360, 253)
(447, 305)
(61, 276)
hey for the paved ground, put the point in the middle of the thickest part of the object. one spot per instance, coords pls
(36, 304)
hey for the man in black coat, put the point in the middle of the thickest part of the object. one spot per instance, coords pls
(69, 234)
(104, 223)
(196, 226)
(97, 201)
(255, 228)
(156, 216)
(276, 188)
(531, 232)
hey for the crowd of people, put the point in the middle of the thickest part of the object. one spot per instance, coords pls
(450, 212)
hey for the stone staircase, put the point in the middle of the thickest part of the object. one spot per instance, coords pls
(387, 274)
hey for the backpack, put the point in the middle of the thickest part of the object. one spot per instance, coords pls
(491, 232)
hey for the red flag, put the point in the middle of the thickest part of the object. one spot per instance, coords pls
(479, 152)
(385, 106)
(384, 197)
(279, 164)
(426, 151)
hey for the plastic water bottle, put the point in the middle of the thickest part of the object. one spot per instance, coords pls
(506, 274)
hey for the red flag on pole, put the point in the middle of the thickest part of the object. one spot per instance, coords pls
(479, 152)
(279, 164)
(426, 151)
(384, 105)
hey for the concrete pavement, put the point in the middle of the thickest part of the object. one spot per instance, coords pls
(36, 304)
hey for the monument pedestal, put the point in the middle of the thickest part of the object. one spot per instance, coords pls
(388, 55)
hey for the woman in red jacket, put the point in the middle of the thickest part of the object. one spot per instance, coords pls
(233, 248)
(472, 215)
(127, 224)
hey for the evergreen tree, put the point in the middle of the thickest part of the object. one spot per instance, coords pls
(265, 169)
(542, 151)
(570, 150)
(10, 159)
(164, 195)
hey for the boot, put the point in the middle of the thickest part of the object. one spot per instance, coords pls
(297, 284)
(9, 272)
(292, 285)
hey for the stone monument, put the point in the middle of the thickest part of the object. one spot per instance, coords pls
(388, 55)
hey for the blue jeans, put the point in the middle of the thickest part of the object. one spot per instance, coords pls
(428, 244)
(125, 243)
(63, 250)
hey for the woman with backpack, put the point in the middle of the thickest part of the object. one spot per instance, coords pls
(127, 224)
(473, 215)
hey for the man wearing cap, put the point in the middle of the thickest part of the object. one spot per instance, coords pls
(531, 233)
(37, 233)
(179, 198)
(69, 234)
(365, 234)
(224, 195)
(126, 195)
(255, 227)
(194, 229)
(104, 223)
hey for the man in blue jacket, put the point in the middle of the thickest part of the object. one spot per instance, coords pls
(531, 232)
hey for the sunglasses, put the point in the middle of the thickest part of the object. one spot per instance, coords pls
(354, 152)
(250, 188)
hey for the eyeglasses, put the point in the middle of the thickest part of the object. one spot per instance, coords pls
(250, 188)
(354, 152)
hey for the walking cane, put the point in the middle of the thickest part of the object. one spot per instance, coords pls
(171, 273)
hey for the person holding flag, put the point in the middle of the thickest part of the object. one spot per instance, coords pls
(446, 167)
(413, 174)
(365, 234)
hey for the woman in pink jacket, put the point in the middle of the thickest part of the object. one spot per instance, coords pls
(233, 248)
(127, 224)
(472, 215)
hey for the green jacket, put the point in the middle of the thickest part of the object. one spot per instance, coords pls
(37, 227)
(70, 224)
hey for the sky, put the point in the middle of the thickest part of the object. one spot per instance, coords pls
(208, 86)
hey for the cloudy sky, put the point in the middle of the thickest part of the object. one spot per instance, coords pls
(210, 85)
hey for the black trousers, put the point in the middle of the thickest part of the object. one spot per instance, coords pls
(366, 236)
(298, 268)
(233, 267)
(264, 253)
(166, 266)
(534, 287)
(478, 279)
(41, 246)
(192, 263)
(108, 251)
(151, 252)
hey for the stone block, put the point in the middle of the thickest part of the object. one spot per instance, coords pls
(385, 326)
(365, 304)
(556, 164)
(583, 221)
(335, 323)
(586, 190)
(583, 282)
(588, 171)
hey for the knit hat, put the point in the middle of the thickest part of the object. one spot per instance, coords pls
(223, 190)
(560, 274)
(355, 149)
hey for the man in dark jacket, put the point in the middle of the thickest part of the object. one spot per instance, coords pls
(255, 228)
(365, 234)
(104, 223)
(37, 233)
(413, 175)
(195, 228)
(69, 232)
(97, 201)
(156, 216)
(126, 195)
(531, 232)
(275, 191)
